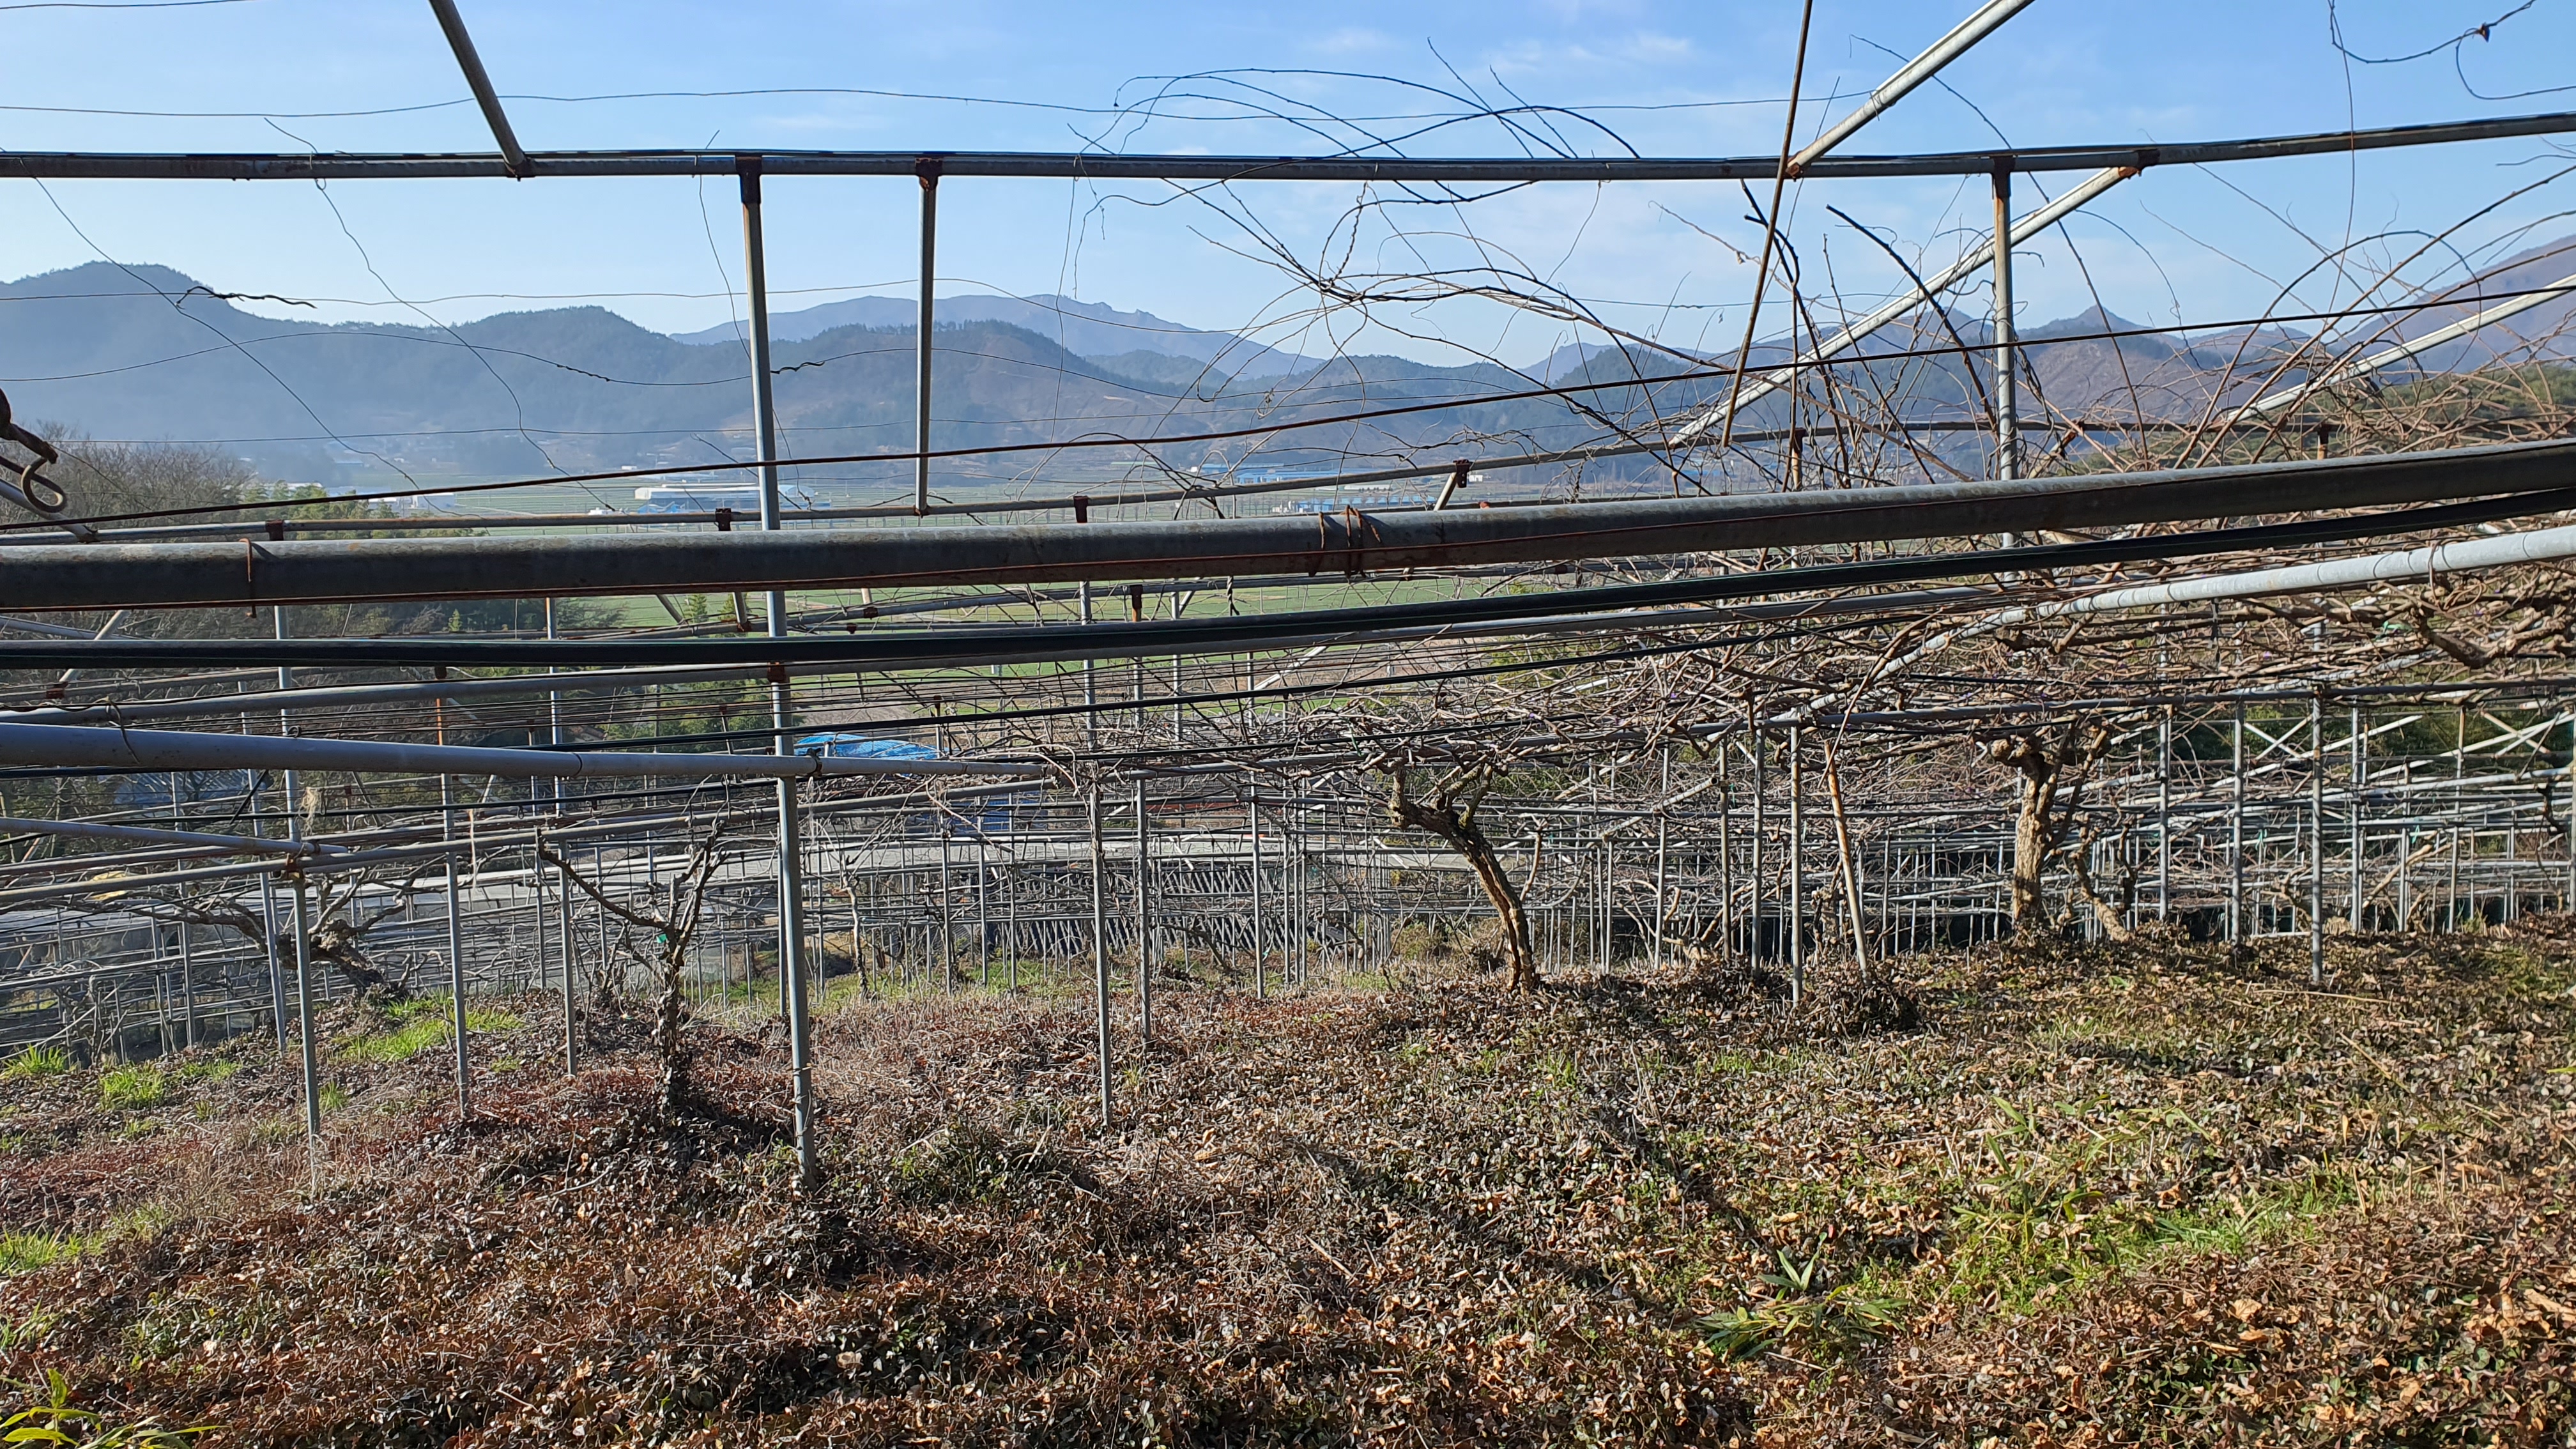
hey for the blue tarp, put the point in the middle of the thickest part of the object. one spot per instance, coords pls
(840, 746)
(989, 816)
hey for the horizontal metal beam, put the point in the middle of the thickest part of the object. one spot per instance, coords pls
(95, 576)
(1802, 595)
(267, 703)
(139, 835)
(480, 843)
(422, 166)
(2539, 545)
(83, 747)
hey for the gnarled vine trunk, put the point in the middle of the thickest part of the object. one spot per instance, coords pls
(1457, 829)
(2040, 823)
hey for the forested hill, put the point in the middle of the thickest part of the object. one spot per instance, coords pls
(149, 354)
(153, 355)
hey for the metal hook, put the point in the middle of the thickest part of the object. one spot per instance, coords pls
(43, 494)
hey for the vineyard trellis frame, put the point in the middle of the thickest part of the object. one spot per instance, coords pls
(1338, 886)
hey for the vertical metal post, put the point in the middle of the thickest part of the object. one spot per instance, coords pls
(537, 906)
(2236, 835)
(791, 981)
(791, 915)
(2358, 776)
(1260, 977)
(927, 169)
(455, 932)
(2570, 900)
(2316, 839)
(276, 965)
(1090, 685)
(187, 988)
(859, 945)
(289, 791)
(1012, 944)
(2459, 813)
(1797, 863)
(2568, 903)
(304, 1013)
(571, 992)
(1761, 882)
(763, 406)
(2164, 816)
(554, 718)
(1725, 862)
(1599, 919)
(1663, 848)
(2007, 395)
(1309, 935)
(1099, 945)
(947, 928)
(1144, 922)
(2406, 874)
(1663, 863)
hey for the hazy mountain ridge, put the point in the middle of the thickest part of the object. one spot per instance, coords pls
(149, 354)
(94, 350)
(1092, 329)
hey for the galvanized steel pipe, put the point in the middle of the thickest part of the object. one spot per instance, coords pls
(1093, 165)
(74, 576)
(86, 747)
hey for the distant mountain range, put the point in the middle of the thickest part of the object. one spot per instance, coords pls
(1091, 329)
(149, 354)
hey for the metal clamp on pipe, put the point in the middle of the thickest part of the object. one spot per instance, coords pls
(28, 482)
(33, 491)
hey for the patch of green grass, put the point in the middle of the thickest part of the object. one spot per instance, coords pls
(145, 1221)
(217, 1071)
(26, 1251)
(276, 1132)
(426, 1023)
(1814, 1318)
(133, 1088)
(1556, 1071)
(53, 1420)
(2024, 1248)
(1734, 1063)
(334, 1096)
(399, 1045)
(22, 1334)
(37, 1062)
(441, 1008)
(507, 1064)
(2530, 975)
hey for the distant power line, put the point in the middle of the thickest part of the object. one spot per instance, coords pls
(117, 4)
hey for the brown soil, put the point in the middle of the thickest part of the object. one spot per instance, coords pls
(2106, 1195)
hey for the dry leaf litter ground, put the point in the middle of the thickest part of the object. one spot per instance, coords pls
(2128, 1194)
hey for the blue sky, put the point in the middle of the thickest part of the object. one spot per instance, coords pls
(1701, 78)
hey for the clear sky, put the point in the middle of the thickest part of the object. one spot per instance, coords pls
(1672, 79)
